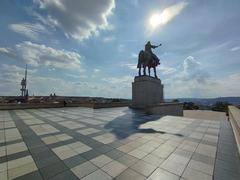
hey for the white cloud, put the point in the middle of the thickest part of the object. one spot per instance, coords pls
(79, 19)
(134, 55)
(237, 48)
(228, 86)
(32, 31)
(121, 48)
(7, 52)
(172, 11)
(42, 55)
(190, 64)
(130, 66)
(167, 14)
(190, 80)
(108, 39)
(165, 70)
(96, 70)
(11, 76)
(119, 80)
(4, 50)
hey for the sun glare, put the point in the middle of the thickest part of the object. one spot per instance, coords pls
(155, 20)
(159, 19)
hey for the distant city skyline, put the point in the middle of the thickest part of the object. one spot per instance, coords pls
(90, 48)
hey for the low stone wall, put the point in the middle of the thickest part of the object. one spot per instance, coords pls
(173, 109)
(110, 105)
(234, 117)
(30, 106)
(60, 105)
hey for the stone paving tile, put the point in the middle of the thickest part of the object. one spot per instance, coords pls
(3, 175)
(21, 170)
(84, 169)
(130, 175)
(206, 150)
(74, 161)
(192, 174)
(102, 160)
(137, 153)
(52, 170)
(64, 175)
(127, 160)
(143, 168)
(35, 175)
(163, 175)
(99, 174)
(72, 143)
(114, 168)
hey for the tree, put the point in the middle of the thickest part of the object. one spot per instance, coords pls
(220, 106)
(190, 106)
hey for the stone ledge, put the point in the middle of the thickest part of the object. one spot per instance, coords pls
(146, 78)
(173, 109)
(234, 117)
(61, 105)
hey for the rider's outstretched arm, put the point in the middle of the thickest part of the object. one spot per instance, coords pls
(153, 46)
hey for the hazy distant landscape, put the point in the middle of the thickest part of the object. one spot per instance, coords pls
(210, 101)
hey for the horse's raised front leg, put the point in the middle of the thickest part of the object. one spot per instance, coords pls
(139, 71)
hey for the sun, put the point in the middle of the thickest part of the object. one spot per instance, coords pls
(155, 20)
(158, 19)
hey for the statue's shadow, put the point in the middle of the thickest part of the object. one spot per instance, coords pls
(129, 123)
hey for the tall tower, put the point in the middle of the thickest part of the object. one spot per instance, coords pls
(24, 84)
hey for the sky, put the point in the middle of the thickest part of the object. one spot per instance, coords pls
(90, 48)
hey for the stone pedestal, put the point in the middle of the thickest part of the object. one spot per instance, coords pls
(146, 91)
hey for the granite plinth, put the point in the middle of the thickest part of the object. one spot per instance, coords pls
(173, 109)
(146, 91)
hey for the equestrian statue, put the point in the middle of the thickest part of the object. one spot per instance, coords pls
(148, 59)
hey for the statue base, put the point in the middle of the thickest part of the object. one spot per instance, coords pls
(146, 91)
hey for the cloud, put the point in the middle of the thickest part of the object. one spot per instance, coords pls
(130, 66)
(42, 55)
(96, 70)
(108, 39)
(190, 64)
(134, 55)
(237, 48)
(189, 80)
(160, 19)
(229, 85)
(11, 75)
(119, 80)
(29, 30)
(79, 19)
(165, 70)
(169, 13)
(7, 52)
(121, 48)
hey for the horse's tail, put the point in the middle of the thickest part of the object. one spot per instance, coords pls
(140, 59)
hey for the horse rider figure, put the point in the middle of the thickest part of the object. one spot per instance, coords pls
(149, 47)
(148, 59)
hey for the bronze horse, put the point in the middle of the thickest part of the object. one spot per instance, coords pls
(145, 60)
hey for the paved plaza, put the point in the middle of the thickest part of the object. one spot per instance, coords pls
(115, 143)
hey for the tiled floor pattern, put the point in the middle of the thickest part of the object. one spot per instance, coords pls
(116, 143)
